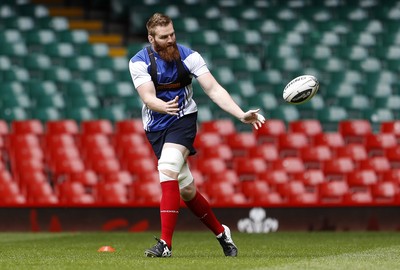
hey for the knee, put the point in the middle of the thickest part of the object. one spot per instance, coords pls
(188, 192)
(170, 164)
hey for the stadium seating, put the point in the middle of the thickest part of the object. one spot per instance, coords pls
(67, 136)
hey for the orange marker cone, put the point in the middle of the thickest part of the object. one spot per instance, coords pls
(106, 249)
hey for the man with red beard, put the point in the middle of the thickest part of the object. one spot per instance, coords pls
(162, 74)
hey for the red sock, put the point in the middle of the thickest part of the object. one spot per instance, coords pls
(169, 209)
(201, 208)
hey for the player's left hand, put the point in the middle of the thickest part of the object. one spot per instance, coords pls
(254, 118)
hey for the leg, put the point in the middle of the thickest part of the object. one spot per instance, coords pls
(170, 163)
(201, 208)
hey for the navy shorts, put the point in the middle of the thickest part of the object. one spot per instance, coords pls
(181, 132)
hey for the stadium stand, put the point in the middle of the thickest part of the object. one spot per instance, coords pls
(70, 132)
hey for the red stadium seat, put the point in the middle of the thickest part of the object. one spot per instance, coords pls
(87, 178)
(146, 192)
(355, 130)
(361, 179)
(254, 190)
(228, 176)
(74, 193)
(10, 194)
(124, 141)
(274, 177)
(141, 166)
(210, 167)
(358, 197)
(112, 193)
(222, 151)
(270, 130)
(4, 129)
(88, 141)
(331, 139)
(379, 164)
(123, 177)
(129, 126)
(311, 177)
(291, 144)
(309, 127)
(223, 127)
(67, 126)
(338, 168)
(104, 166)
(392, 127)
(392, 175)
(31, 126)
(240, 143)
(219, 192)
(333, 191)
(101, 126)
(247, 168)
(384, 192)
(354, 151)
(41, 194)
(377, 143)
(268, 152)
(393, 155)
(313, 156)
(289, 164)
(207, 139)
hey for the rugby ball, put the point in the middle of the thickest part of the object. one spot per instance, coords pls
(301, 89)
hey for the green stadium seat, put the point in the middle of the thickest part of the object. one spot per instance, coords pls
(223, 75)
(205, 38)
(78, 36)
(118, 89)
(80, 63)
(22, 101)
(112, 113)
(355, 105)
(59, 50)
(99, 76)
(40, 37)
(11, 36)
(5, 63)
(80, 88)
(379, 115)
(45, 114)
(32, 10)
(331, 116)
(287, 113)
(18, 49)
(186, 24)
(22, 23)
(91, 102)
(113, 63)
(37, 62)
(362, 39)
(54, 101)
(56, 23)
(354, 52)
(12, 114)
(38, 88)
(134, 48)
(16, 73)
(94, 50)
(58, 74)
(79, 114)
(391, 102)
(264, 101)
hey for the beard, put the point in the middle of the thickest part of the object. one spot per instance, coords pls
(168, 53)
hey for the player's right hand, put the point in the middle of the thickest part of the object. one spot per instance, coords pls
(172, 106)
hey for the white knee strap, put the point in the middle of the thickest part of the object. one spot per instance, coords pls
(171, 159)
(185, 177)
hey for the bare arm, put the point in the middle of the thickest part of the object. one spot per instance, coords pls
(147, 93)
(223, 99)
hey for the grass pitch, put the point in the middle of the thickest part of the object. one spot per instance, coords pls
(199, 250)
